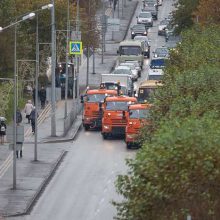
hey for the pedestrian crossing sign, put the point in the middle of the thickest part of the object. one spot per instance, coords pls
(75, 47)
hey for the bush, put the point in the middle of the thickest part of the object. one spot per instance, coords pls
(177, 173)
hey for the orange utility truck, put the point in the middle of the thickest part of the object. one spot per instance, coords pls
(137, 116)
(114, 115)
(93, 100)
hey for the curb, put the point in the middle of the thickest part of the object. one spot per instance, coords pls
(42, 187)
(61, 140)
(135, 8)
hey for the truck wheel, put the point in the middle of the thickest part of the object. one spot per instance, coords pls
(86, 127)
(105, 136)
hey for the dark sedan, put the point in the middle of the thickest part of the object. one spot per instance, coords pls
(138, 30)
(151, 8)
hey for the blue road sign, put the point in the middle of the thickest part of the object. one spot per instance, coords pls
(75, 47)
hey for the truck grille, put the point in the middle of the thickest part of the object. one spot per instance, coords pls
(118, 130)
(96, 114)
(121, 122)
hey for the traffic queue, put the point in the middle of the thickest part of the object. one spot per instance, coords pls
(117, 108)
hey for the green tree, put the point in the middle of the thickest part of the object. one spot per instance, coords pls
(175, 175)
(183, 15)
(177, 171)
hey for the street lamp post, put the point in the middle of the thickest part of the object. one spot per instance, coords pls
(48, 6)
(28, 16)
(53, 67)
(67, 57)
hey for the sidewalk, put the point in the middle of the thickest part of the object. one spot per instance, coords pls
(33, 176)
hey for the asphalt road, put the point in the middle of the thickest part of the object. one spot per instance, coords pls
(83, 186)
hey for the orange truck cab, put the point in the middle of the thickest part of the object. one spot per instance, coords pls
(92, 112)
(137, 116)
(114, 115)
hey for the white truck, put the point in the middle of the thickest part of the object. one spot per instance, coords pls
(114, 81)
(130, 50)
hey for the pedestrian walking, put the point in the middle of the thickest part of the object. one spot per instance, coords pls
(43, 95)
(18, 121)
(2, 129)
(32, 118)
(27, 110)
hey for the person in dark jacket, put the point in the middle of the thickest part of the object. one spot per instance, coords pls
(43, 95)
(18, 121)
(2, 129)
(32, 118)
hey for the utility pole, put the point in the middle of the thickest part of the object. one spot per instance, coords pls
(88, 50)
(118, 8)
(103, 30)
(53, 67)
(77, 30)
(122, 8)
(36, 88)
(77, 63)
(67, 59)
(113, 15)
(15, 109)
(93, 61)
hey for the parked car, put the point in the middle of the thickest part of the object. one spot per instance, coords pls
(147, 44)
(145, 18)
(162, 27)
(138, 29)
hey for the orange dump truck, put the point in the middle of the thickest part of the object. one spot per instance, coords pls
(92, 112)
(114, 115)
(137, 116)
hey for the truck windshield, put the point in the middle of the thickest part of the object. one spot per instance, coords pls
(120, 106)
(95, 98)
(139, 113)
(155, 77)
(144, 94)
(157, 63)
(130, 50)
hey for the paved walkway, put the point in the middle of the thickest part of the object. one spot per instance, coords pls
(33, 176)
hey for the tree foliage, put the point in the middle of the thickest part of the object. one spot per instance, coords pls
(208, 11)
(177, 170)
(183, 15)
(176, 174)
(10, 9)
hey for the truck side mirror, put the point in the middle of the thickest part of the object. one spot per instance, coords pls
(100, 105)
(117, 51)
(123, 114)
(82, 100)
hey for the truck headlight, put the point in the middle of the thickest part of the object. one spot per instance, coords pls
(106, 127)
(145, 32)
(132, 32)
(131, 135)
